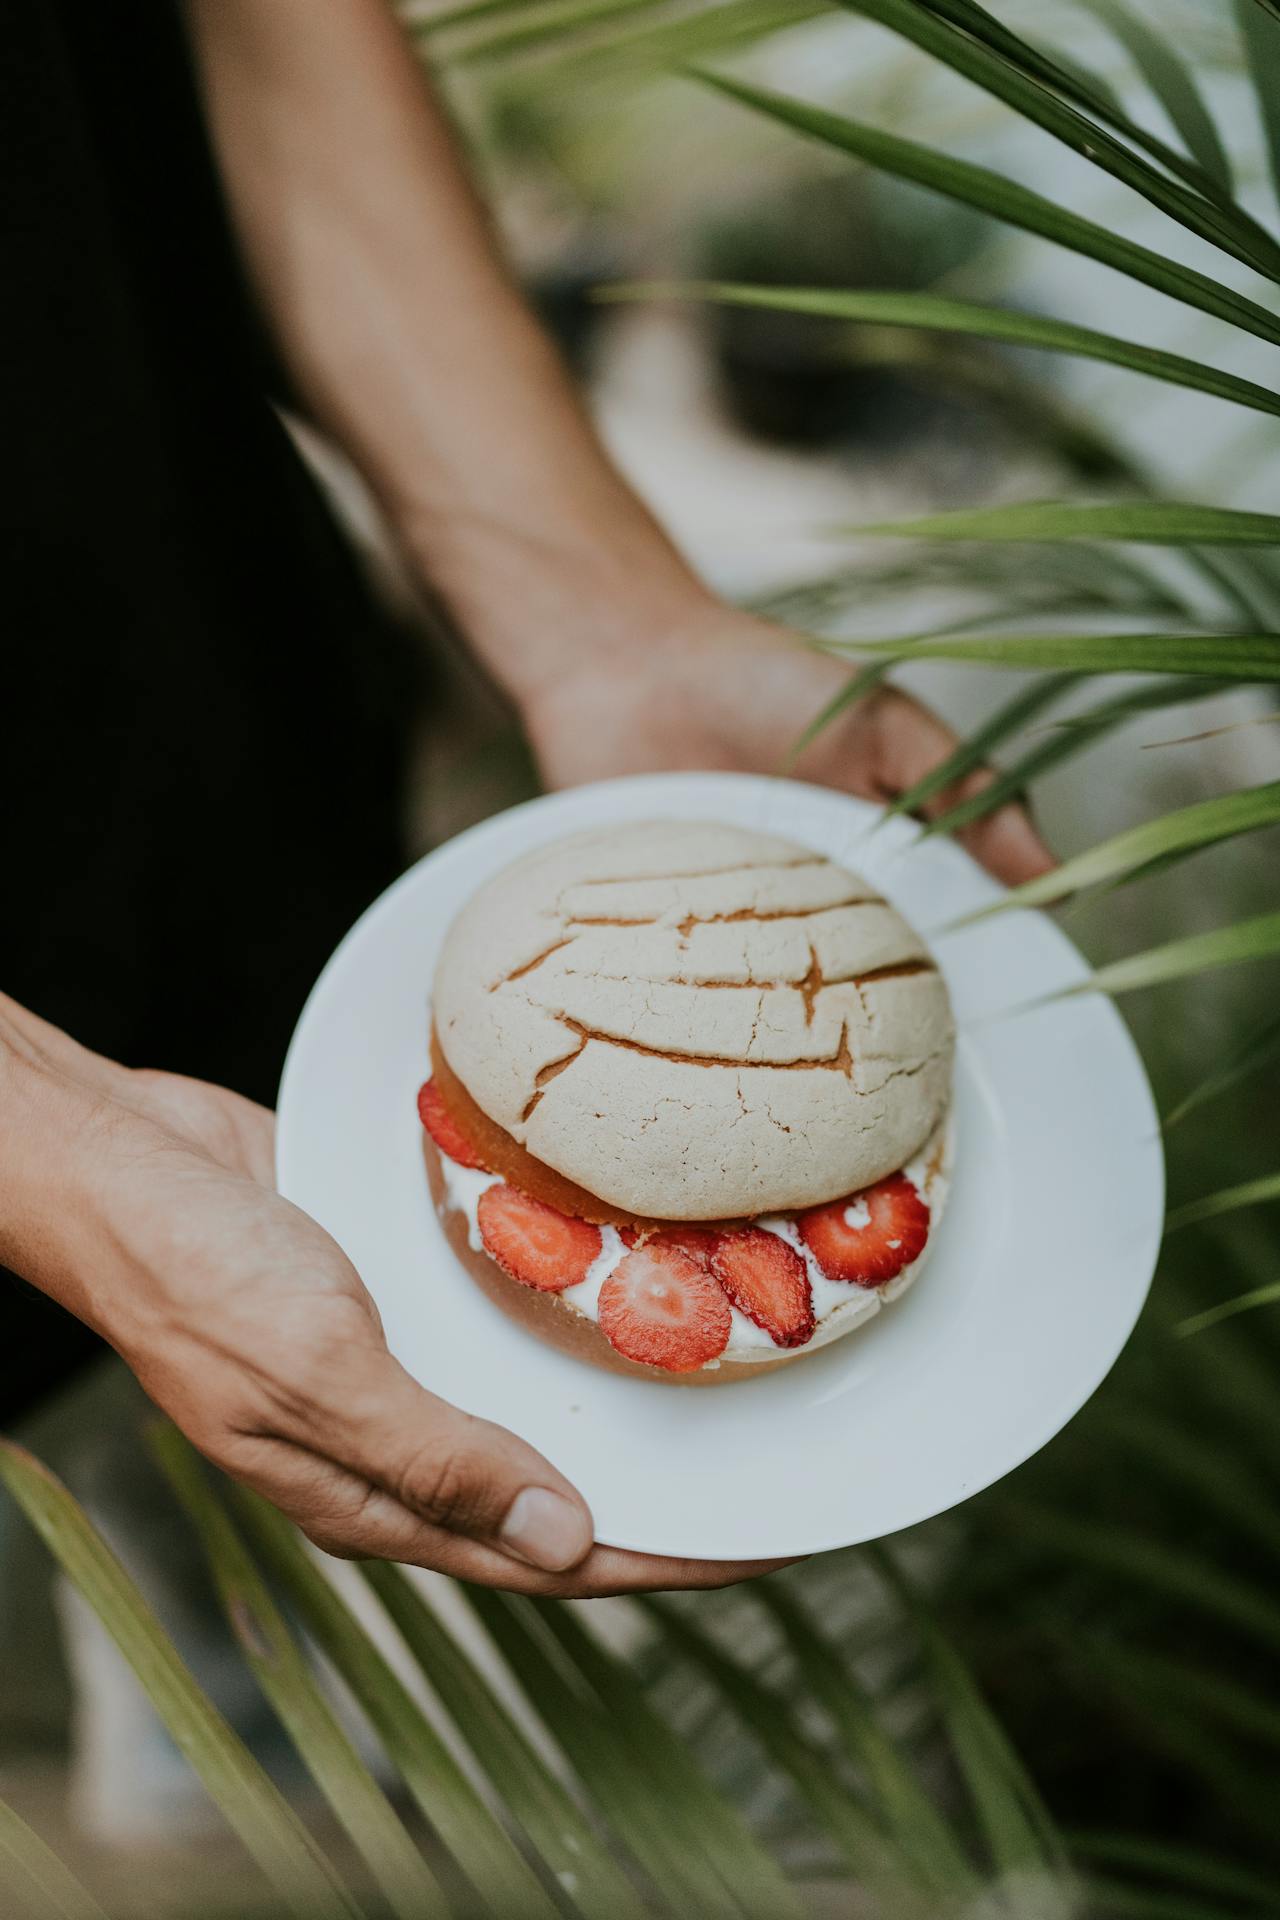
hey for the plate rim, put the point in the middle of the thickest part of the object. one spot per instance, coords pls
(906, 833)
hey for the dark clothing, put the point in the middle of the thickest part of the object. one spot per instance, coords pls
(203, 715)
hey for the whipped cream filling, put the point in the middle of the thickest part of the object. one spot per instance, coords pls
(928, 1171)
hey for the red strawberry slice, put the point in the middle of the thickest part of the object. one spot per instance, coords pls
(892, 1238)
(660, 1307)
(444, 1129)
(766, 1279)
(698, 1242)
(537, 1245)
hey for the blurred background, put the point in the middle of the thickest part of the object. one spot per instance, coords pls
(1114, 1601)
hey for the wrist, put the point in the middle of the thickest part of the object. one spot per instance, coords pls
(57, 1119)
(542, 603)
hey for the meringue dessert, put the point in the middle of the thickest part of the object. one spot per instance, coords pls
(689, 1109)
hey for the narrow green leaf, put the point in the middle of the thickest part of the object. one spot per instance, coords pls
(551, 25)
(1226, 656)
(1260, 32)
(933, 314)
(670, 42)
(1003, 199)
(1228, 1309)
(975, 749)
(1086, 89)
(856, 688)
(1036, 103)
(914, 1824)
(1070, 738)
(354, 1796)
(1019, 1833)
(1165, 1570)
(1250, 1193)
(645, 1812)
(1109, 1900)
(878, 1864)
(1170, 80)
(1230, 946)
(747, 1870)
(433, 1778)
(61, 1895)
(1260, 1047)
(545, 1810)
(1159, 523)
(472, 12)
(1198, 1692)
(1200, 1469)
(1188, 1865)
(269, 1829)
(1205, 824)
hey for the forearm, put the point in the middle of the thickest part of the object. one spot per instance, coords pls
(410, 344)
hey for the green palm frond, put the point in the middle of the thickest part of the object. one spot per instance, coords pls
(1266, 1296)
(1003, 199)
(1255, 1051)
(1250, 1193)
(1259, 23)
(302, 1879)
(932, 313)
(1172, 83)
(1156, 843)
(1068, 738)
(1173, 523)
(34, 1879)
(276, 1662)
(967, 56)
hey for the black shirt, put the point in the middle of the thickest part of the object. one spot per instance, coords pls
(202, 715)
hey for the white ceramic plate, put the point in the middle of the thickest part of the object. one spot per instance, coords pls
(1041, 1265)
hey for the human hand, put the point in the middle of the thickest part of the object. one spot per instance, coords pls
(247, 1324)
(724, 690)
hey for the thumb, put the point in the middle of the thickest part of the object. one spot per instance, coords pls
(453, 1471)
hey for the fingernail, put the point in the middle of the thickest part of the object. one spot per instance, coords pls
(545, 1529)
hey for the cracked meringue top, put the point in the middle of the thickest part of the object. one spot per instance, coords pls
(696, 1021)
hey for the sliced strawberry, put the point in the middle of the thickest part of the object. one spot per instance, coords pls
(444, 1129)
(698, 1242)
(766, 1279)
(534, 1243)
(660, 1307)
(893, 1236)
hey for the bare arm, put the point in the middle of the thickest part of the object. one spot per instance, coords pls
(410, 344)
(379, 271)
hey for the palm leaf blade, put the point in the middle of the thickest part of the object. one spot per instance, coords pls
(1249, 1193)
(1137, 850)
(355, 1798)
(1003, 199)
(1229, 656)
(1170, 81)
(432, 1776)
(1260, 32)
(1036, 103)
(252, 1805)
(1230, 946)
(545, 1810)
(1141, 522)
(1261, 1046)
(1228, 1309)
(61, 1894)
(858, 1836)
(1019, 1832)
(934, 314)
